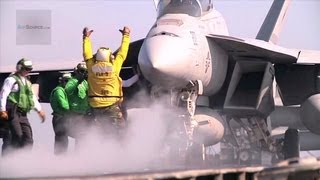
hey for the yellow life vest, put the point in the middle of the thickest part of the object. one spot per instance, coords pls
(105, 84)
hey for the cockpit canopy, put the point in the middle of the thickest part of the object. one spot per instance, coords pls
(190, 7)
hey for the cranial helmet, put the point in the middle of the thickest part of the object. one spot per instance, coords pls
(64, 77)
(104, 54)
(81, 68)
(24, 64)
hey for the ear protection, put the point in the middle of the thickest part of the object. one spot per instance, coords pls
(64, 77)
(18, 67)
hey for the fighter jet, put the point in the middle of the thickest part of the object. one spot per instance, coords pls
(222, 88)
(227, 85)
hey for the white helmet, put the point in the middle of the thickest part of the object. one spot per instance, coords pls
(104, 54)
(64, 77)
(24, 64)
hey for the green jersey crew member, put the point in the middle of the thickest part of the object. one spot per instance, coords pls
(60, 106)
(16, 100)
(77, 93)
(105, 83)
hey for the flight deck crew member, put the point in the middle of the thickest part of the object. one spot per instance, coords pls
(105, 83)
(77, 93)
(60, 106)
(16, 100)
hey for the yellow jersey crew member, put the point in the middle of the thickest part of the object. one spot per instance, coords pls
(16, 100)
(105, 83)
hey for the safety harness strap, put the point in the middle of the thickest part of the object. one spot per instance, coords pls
(106, 96)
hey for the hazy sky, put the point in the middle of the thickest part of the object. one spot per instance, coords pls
(301, 29)
(244, 18)
(68, 17)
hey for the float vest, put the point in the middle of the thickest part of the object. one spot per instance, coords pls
(105, 84)
(24, 97)
(59, 101)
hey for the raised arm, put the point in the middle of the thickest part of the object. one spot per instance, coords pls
(124, 47)
(86, 45)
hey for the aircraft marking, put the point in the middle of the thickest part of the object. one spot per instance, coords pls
(194, 38)
(177, 22)
(208, 62)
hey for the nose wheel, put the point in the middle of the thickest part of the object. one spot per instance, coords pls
(185, 99)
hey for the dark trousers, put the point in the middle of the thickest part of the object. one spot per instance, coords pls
(123, 107)
(21, 132)
(5, 134)
(20, 129)
(110, 119)
(61, 142)
(79, 126)
(73, 125)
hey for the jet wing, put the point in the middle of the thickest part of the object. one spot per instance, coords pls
(253, 49)
(131, 61)
(133, 53)
(309, 57)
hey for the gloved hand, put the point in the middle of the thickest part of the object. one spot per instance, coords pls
(3, 115)
(86, 32)
(42, 115)
(125, 31)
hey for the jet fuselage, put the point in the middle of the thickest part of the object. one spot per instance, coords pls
(176, 51)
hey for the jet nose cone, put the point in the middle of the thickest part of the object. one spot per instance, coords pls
(164, 60)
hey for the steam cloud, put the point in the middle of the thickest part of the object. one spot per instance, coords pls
(138, 151)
